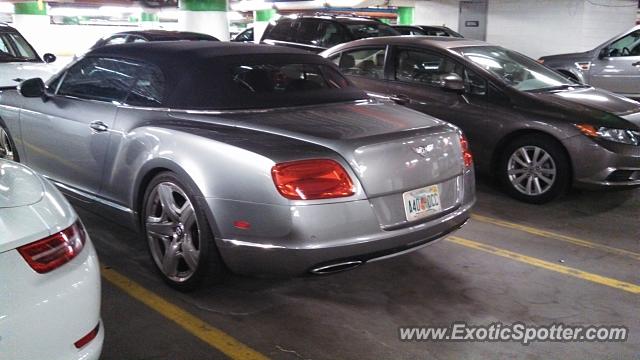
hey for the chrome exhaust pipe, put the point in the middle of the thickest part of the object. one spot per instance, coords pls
(337, 267)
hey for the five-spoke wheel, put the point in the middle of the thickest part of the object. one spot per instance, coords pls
(178, 234)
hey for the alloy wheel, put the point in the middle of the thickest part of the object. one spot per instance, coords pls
(531, 170)
(172, 231)
(6, 150)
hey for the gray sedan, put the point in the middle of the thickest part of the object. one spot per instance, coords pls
(260, 158)
(535, 130)
(613, 65)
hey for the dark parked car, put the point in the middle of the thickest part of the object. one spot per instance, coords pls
(536, 130)
(245, 36)
(151, 35)
(613, 65)
(428, 30)
(262, 158)
(320, 32)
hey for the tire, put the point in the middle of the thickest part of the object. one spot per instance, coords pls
(180, 241)
(7, 146)
(534, 169)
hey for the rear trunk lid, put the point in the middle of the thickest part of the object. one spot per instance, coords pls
(391, 149)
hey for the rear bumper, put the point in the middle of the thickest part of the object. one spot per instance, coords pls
(43, 315)
(601, 164)
(363, 241)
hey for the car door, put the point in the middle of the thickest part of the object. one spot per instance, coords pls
(619, 69)
(66, 133)
(365, 67)
(416, 82)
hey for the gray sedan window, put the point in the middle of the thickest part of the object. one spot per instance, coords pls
(363, 62)
(100, 79)
(424, 67)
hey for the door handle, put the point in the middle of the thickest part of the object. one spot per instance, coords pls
(637, 63)
(400, 99)
(98, 126)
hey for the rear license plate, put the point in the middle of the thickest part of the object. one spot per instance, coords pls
(423, 202)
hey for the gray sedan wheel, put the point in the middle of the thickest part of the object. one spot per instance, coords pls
(535, 169)
(531, 170)
(7, 150)
(177, 232)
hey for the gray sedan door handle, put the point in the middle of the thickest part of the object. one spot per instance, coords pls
(637, 63)
(99, 126)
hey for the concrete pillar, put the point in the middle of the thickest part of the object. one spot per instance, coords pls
(149, 20)
(438, 12)
(261, 20)
(205, 16)
(31, 19)
(405, 15)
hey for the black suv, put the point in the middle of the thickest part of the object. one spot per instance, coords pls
(319, 32)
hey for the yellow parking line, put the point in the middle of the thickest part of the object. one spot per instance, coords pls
(205, 332)
(556, 236)
(632, 288)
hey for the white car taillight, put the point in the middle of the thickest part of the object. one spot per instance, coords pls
(56, 250)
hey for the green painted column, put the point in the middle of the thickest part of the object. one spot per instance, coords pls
(30, 8)
(261, 20)
(149, 17)
(205, 16)
(203, 5)
(31, 19)
(405, 15)
(263, 15)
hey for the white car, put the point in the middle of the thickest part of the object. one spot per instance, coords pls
(19, 60)
(49, 273)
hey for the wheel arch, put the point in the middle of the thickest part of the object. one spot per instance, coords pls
(157, 166)
(507, 139)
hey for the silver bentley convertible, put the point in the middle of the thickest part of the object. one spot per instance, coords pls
(259, 159)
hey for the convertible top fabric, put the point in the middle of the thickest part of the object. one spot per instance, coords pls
(198, 75)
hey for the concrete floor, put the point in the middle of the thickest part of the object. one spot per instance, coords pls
(356, 314)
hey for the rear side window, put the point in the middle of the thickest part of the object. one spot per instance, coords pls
(120, 39)
(148, 89)
(363, 62)
(100, 79)
(372, 29)
(435, 32)
(424, 67)
(283, 31)
(287, 78)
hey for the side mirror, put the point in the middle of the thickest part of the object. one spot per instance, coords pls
(452, 82)
(604, 52)
(49, 58)
(31, 88)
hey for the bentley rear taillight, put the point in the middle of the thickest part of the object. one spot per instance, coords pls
(56, 250)
(466, 152)
(312, 180)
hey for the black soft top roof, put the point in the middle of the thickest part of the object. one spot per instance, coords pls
(166, 35)
(197, 74)
(171, 53)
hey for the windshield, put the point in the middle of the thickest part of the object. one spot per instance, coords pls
(516, 70)
(371, 29)
(13, 47)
